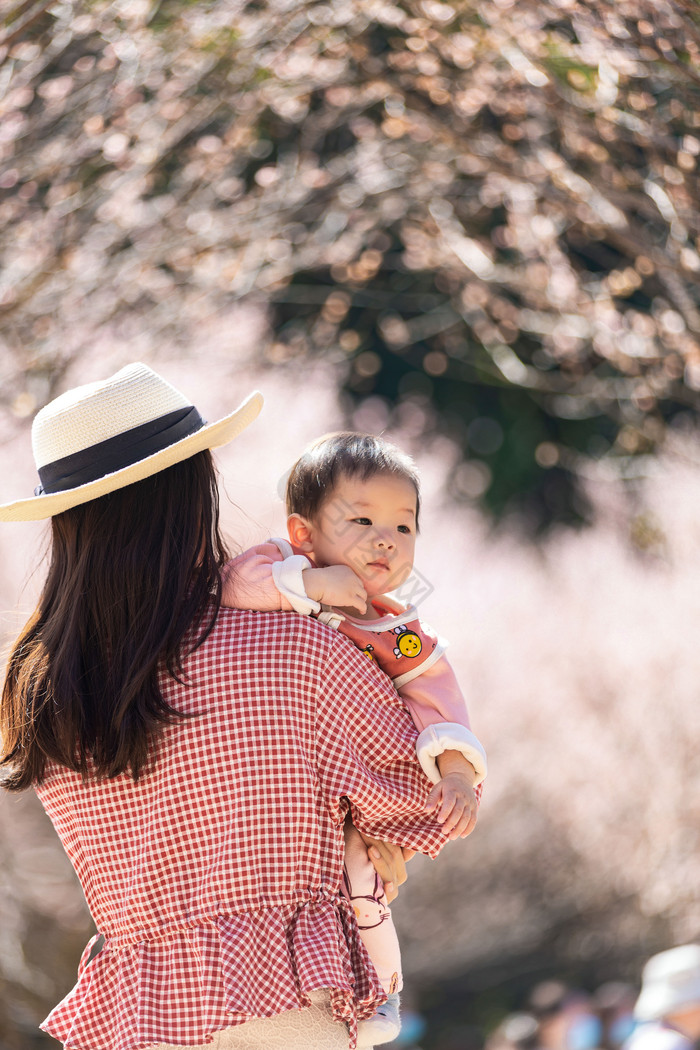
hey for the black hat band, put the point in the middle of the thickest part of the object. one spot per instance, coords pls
(118, 452)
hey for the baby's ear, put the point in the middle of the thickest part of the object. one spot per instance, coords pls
(300, 533)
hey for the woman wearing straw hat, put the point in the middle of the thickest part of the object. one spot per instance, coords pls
(197, 762)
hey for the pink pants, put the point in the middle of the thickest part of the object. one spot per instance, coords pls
(365, 891)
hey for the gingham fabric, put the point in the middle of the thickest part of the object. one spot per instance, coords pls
(215, 879)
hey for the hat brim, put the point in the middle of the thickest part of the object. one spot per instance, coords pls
(212, 435)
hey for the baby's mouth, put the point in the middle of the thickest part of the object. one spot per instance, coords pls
(378, 565)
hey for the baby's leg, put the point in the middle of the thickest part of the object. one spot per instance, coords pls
(365, 891)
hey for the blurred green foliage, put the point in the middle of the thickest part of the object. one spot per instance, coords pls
(483, 214)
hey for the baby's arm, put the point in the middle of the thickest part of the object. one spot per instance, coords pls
(450, 755)
(265, 579)
(449, 752)
(439, 712)
(248, 581)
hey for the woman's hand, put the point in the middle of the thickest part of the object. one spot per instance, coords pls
(390, 864)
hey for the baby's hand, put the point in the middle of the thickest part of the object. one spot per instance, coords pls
(335, 585)
(453, 802)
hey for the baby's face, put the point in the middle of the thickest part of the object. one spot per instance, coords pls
(371, 527)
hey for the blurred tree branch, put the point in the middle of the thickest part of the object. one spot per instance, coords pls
(495, 206)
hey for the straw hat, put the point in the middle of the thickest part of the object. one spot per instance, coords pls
(670, 983)
(100, 437)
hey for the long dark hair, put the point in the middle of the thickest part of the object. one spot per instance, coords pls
(133, 584)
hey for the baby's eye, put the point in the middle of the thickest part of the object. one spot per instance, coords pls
(362, 521)
(405, 528)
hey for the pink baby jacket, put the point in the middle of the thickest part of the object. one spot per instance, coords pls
(269, 576)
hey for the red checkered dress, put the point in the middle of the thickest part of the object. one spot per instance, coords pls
(215, 879)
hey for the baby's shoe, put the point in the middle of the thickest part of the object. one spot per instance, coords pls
(384, 1027)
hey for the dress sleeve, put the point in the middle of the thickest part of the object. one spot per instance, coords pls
(366, 747)
(439, 712)
(265, 580)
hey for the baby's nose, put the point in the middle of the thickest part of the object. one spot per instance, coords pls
(384, 539)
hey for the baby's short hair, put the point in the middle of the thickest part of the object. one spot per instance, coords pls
(345, 454)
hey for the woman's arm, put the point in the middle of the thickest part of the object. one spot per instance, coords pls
(366, 754)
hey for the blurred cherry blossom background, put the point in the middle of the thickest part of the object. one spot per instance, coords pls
(473, 226)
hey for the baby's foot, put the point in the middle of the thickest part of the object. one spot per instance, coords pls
(384, 1027)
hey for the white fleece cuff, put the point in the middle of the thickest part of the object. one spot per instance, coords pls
(289, 581)
(449, 736)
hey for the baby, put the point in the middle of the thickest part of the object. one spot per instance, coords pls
(353, 502)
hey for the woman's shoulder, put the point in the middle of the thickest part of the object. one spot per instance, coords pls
(293, 639)
(267, 655)
(252, 632)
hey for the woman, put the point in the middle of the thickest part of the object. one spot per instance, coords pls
(197, 762)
